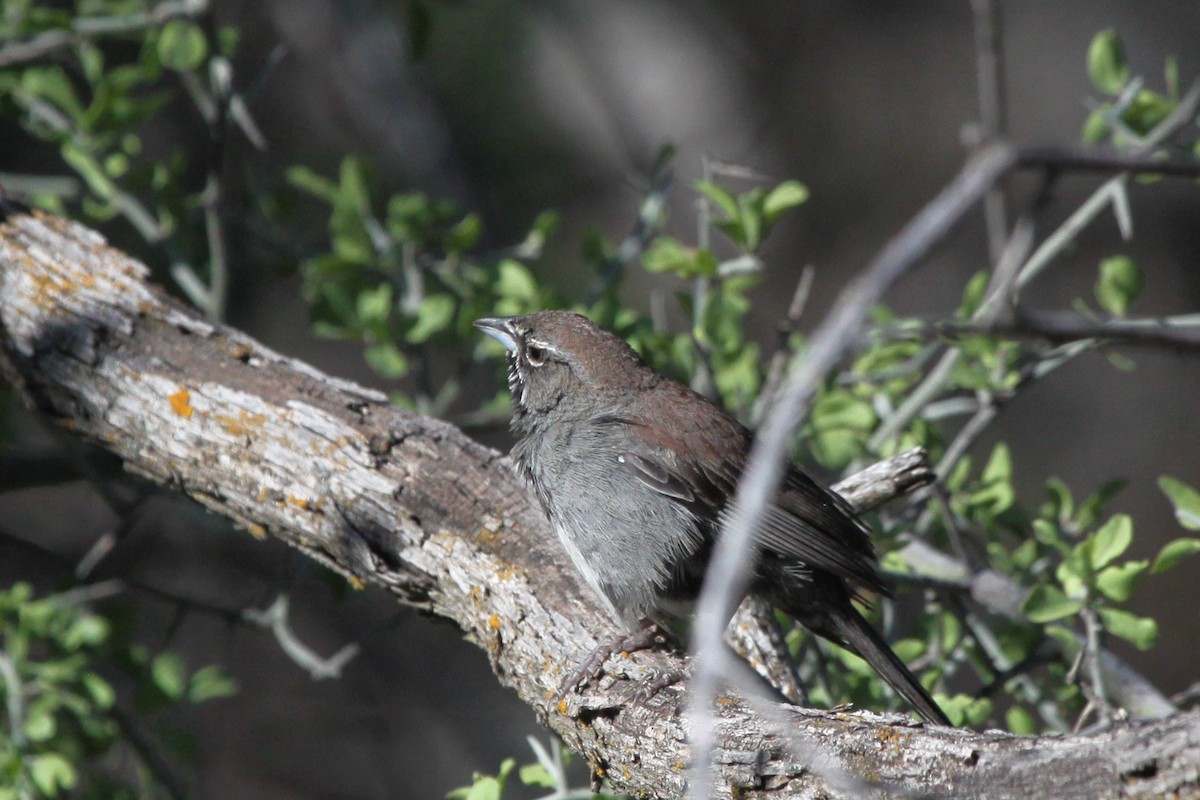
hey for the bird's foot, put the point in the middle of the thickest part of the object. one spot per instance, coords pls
(644, 639)
(662, 680)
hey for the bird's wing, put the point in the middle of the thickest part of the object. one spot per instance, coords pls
(816, 526)
(695, 456)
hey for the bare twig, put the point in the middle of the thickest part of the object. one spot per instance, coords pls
(275, 619)
(1180, 332)
(46, 43)
(148, 751)
(779, 359)
(989, 75)
(1093, 684)
(1112, 191)
(14, 699)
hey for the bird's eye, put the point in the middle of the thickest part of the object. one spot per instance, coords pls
(535, 355)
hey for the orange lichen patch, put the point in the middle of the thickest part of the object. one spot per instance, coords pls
(298, 502)
(242, 425)
(50, 289)
(88, 281)
(506, 573)
(181, 403)
(257, 531)
(356, 583)
(892, 735)
(724, 700)
(494, 622)
(562, 706)
(263, 494)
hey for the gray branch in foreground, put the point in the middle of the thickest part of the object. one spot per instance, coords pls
(410, 503)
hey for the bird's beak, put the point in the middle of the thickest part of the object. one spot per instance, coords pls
(500, 329)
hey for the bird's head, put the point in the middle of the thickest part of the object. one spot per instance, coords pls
(558, 360)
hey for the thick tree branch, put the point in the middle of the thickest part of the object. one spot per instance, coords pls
(387, 497)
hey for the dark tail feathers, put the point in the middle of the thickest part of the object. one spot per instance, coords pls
(863, 640)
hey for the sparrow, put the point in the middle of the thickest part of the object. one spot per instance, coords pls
(636, 472)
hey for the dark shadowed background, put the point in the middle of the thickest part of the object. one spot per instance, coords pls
(521, 107)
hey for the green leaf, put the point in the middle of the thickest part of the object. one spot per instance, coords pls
(516, 282)
(86, 630)
(1185, 499)
(90, 170)
(1172, 552)
(181, 45)
(999, 466)
(1072, 573)
(1026, 553)
(40, 724)
(1020, 721)
(963, 709)
(99, 690)
(51, 772)
(168, 675)
(719, 196)
(313, 183)
(386, 359)
(465, 234)
(841, 409)
(1096, 127)
(209, 683)
(1119, 284)
(1047, 603)
(973, 294)
(485, 787)
(373, 306)
(750, 217)
(1107, 66)
(434, 315)
(1111, 540)
(1089, 509)
(841, 424)
(1118, 582)
(786, 195)
(52, 84)
(666, 254)
(536, 775)
(1062, 502)
(1142, 632)
(995, 494)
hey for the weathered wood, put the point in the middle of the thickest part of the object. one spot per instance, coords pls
(387, 497)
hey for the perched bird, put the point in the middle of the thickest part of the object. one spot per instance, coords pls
(636, 472)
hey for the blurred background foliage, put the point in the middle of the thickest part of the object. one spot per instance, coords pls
(355, 182)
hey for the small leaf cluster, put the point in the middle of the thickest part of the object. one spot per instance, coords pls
(58, 662)
(93, 104)
(408, 279)
(1129, 110)
(718, 303)
(1083, 555)
(547, 772)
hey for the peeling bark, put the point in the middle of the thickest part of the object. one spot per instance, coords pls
(410, 503)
